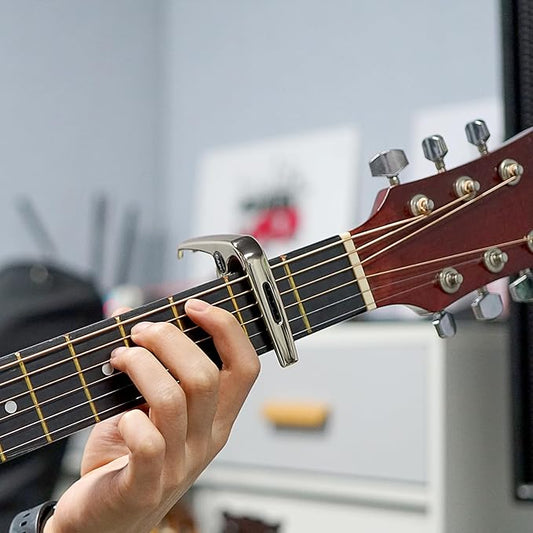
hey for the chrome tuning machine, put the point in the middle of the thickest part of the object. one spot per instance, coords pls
(444, 324)
(477, 133)
(521, 289)
(434, 148)
(487, 305)
(389, 164)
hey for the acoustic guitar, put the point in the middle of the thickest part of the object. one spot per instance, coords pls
(427, 244)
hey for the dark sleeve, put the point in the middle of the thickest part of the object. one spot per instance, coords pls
(32, 520)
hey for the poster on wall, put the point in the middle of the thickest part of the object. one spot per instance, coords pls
(287, 191)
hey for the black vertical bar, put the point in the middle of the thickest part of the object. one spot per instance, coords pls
(517, 40)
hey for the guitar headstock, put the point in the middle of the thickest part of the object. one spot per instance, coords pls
(430, 242)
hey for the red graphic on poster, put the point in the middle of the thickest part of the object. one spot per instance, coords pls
(272, 217)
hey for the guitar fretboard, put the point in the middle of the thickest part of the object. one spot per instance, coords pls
(55, 388)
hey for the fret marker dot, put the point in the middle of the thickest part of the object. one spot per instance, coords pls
(107, 369)
(11, 407)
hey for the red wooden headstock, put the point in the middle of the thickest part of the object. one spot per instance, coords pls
(431, 259)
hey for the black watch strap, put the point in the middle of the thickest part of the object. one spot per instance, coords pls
(32, 520)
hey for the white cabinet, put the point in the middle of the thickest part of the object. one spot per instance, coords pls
(417, 437)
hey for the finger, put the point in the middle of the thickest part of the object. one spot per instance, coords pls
(168, 407)
(103, 445)
(147, 447)
(240, 362)
(197, 374)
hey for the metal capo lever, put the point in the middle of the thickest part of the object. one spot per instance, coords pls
(225, 249)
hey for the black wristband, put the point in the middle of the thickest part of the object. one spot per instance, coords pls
(32, 520)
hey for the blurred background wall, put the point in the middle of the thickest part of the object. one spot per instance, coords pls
(121, 97)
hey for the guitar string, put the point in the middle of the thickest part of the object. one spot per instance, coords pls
(112, 326)
(244, 308)
(87, 402)
(443, 217)
(402, 223)
(296, 334)
(313, 281)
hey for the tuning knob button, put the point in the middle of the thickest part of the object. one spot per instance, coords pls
(494, 260)
(510, 170)
(444, 323)
(465, 187)
(420, 204)
(521, 289)
(435, 149)
(450, 280)
(389, 164)
(487, 305)
(477, 134)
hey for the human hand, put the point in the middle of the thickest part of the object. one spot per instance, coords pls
(137, 465)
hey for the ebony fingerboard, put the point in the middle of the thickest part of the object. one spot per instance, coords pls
(57, 387)
(318, 286)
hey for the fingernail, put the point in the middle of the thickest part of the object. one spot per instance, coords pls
(196, 305)
(117, 351)
(140, 326)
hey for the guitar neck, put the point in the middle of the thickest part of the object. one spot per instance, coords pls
(55, 388)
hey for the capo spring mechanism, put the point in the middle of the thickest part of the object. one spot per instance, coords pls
(225, 250)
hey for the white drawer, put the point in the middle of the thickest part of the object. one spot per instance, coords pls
(374, 379)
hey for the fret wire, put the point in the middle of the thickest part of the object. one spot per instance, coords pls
(82, 378)
(33, 397)
(296, 294)
(122, 332)
(175, 312)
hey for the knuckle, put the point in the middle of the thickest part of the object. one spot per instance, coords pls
(161, 329)
(168, 398)
(203, 382)
(152, 447)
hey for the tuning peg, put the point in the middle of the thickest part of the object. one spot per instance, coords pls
(444, 323)
(487, 305)
(477, 134)
(389, 164)
(435, 149)
(521, 289)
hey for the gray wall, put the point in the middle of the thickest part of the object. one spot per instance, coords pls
(245, 70)
(79, 85)
(123, 96)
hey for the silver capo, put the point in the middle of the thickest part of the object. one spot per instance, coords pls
(225, 249)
